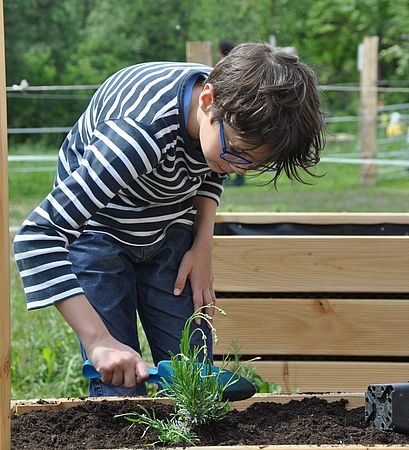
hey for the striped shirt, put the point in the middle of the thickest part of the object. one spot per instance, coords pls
(127, 169)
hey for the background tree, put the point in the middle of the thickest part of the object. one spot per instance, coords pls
(84, 41)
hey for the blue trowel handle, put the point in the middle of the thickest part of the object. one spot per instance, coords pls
(90, 372)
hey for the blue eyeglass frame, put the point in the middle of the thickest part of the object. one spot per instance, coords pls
(240, 161)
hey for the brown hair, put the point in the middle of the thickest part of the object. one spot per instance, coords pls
(269, 97)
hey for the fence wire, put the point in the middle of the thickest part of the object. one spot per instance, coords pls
(391, 158)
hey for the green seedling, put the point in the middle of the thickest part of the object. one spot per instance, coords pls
(168, 430)
(194, 389)
(243, 368)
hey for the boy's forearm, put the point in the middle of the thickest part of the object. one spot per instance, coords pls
(204, 221)
(117, 363)
(83, 319)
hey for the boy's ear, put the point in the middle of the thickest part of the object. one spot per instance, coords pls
(206, 98)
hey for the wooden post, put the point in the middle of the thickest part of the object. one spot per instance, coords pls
(4, 257)
(369, 106)
(199, 52)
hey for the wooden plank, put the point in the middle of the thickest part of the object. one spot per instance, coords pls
(4, 257)
(330, 376)
(311, 264)
(300, 447)
(369, 107)
(303, 447)
(349, 327)
(199, 52)
(292, 447)
(56, 404)
(313, 218)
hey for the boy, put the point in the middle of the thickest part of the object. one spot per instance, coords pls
(128, 226)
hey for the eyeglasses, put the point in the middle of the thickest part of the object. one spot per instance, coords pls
(240, 161)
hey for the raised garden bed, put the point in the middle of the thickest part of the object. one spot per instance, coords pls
(325, 313)
(323, 297)
(266, 420)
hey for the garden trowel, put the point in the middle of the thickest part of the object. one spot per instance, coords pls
(239, 387)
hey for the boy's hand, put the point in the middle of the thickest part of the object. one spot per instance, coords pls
(118, 364)
(197, 266)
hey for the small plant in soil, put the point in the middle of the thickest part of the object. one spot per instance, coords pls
(194, 389)
(244, 369)
(169, 431)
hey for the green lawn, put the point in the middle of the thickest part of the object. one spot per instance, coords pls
(339, 190)
(45, 357)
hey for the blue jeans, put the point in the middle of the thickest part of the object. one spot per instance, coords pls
(121, 280)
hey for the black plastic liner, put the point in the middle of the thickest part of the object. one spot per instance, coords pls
(300, 229)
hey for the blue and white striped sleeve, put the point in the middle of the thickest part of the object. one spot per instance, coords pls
(212, 186)
(119, 151)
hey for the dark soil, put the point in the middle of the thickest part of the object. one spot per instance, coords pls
(92, 425)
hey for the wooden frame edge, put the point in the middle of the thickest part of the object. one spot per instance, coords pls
(4, 256)
(355, 400)
(313, 218)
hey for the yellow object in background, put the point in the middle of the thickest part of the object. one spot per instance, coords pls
(395, 130)
(395, 127)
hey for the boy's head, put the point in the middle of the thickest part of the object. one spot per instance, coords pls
(268, 99)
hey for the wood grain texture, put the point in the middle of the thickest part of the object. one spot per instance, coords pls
(369, 107)
(311, 264)
(316, 218)
(199, 52)
(302, 447)
(4, 258)
(352, 327)
(57, 404)
(330, 376)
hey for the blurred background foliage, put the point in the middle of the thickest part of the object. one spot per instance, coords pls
(73, 42)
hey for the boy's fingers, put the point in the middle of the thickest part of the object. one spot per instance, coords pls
(141, 372)
(106, 377)
(197, 303)
(198, 299)
(213, 296)
(130, 379)
(117, 377)
(180, 281)
(179, 286)
(209, 299)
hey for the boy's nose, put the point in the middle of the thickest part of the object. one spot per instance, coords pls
(238, 170)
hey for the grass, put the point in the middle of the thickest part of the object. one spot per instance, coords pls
(45, 354)
(337, 188)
